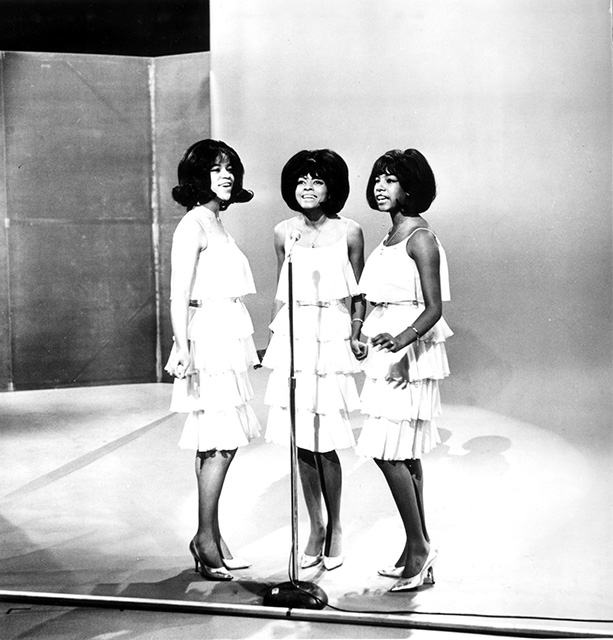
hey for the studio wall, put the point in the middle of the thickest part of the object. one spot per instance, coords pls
(89, 144)
(511, 103)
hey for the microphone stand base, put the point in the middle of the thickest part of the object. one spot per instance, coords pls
(296, 595)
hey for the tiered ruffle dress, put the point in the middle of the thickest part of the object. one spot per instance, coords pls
(400, 422)
(217, 398)
(323, 283)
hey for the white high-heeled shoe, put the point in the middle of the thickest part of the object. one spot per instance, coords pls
(426, 573)
(236, 563)
(334, 562)
(306, 562)
(391, 572)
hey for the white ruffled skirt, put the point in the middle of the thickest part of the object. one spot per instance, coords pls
(324, 367)
(217, 398)
(400, 422)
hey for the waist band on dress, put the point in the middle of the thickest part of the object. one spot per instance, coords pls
(401, 303)
(200, 303)
(317, 303)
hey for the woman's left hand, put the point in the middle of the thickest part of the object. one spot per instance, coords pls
(386, 341)
(359, 348)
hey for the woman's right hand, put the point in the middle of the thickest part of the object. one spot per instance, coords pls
(183, 366)
(398, 374)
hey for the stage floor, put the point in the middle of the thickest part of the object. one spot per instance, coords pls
(97, 499)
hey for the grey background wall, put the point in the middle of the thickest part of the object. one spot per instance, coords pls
(90, 145)
(511, 103)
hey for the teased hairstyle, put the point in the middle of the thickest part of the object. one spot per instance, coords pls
(195, 179)
(319, 163)
(414, 175)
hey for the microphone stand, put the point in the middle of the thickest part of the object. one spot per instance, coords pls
(295, 593)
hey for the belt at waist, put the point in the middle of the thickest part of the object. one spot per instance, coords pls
(402, 303)
(200, 303)
(319, 303)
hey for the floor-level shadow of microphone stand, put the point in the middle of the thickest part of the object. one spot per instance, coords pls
(294, 593)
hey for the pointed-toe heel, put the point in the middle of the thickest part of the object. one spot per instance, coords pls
(306, 562)
(236, 563)
(425, 575)
(391, 572)
(210, 573)
(331, 563)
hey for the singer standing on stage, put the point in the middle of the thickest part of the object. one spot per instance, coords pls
(213, 345)
(406, 279)
(328, 256)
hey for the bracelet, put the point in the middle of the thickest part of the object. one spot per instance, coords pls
(416, 332)
(357, 320)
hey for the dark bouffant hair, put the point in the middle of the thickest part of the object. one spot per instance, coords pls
(414, 175)
(324, 164)
(195, 179)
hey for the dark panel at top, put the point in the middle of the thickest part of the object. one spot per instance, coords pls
(112, 27)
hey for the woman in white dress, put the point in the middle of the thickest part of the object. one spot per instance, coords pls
(406, 279)
(213, 344)
(328, 311)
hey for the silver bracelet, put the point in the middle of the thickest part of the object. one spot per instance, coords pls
(357, 320)
(416, 332)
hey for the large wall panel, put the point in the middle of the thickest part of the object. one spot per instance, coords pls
(5, 325)
(80, 253)
(182, 115)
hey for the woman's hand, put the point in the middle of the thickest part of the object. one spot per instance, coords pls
(398, 374)
(359, 348)
(183, 366)
(387, 341)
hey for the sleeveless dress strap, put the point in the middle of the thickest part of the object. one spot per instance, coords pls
(288, 232)
(421, 229)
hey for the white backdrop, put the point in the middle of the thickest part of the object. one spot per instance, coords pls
(510, 100)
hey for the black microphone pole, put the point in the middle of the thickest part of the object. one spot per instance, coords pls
(295, 593)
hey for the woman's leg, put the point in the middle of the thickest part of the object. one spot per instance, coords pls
(417, 474)
(331, 478)
(403, 490)
(312, 490)
(211, 469)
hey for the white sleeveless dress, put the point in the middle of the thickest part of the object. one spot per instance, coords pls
(217, 398)
(323, 283)
(400, 422)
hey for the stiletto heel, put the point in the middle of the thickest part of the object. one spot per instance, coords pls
(431, 575)
(416, 581)
(210, 573)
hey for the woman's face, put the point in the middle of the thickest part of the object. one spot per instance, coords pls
(389, 195)
(310, 192)
(222, 179)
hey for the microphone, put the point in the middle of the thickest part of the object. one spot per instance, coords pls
(294, 236)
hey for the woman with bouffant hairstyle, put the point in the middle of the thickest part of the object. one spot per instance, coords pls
(407, 280)
(213, 346)
(327, 262)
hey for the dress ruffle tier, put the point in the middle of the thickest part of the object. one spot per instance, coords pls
(400, 423)
(324, 370)
(217, 396)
